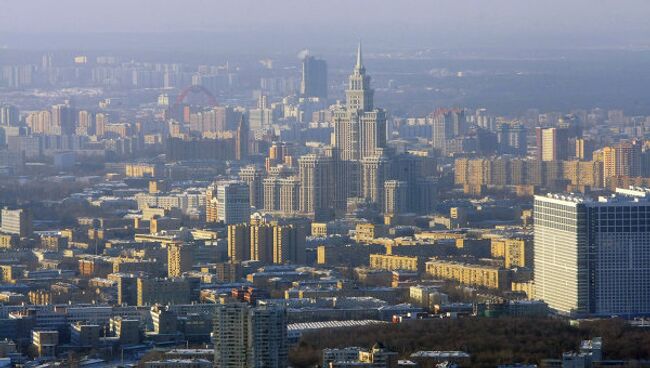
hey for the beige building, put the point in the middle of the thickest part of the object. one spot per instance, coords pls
(238, 242)
(394, 263)
(162, 291)
(491, 277)
(180, 258)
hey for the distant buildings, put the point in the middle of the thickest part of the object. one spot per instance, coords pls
(378, 356)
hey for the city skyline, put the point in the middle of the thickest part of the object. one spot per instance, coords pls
(334, 184)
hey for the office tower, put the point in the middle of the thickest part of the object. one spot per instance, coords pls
(591, 257)
(511, 138)
(9, 115)
(239, 242)
(180, 258)
(552, 144)
(241, 142)
(396, 197)
(18, 222)
(261, 242)
(314, 78)
(254, 177)
(316, 184)
(359, 129)
(232, 202)
(250, 337)
(375, 170)
(288, 244)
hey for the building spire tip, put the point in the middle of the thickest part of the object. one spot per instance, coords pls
(359, 57)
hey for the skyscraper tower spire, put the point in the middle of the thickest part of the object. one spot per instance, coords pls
(359, 57)
(241, 143)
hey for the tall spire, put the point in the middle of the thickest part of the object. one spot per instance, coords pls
(359, 58)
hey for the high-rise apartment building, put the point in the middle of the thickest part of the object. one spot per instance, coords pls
(316, 184)
(250, 337)
(63, 119)
(39, 122)
(239, 242)
(261, 242)
(85, 123)
(9, 115)
(288, 244)
(552, 144)
(623, 159)
(511, 138)
(269, 243)
(584, 149)
(396, 197)
(445, 125)
(314, 78)
(375, 170)
(180, 258)
(254, 177)
(163, 291)
(592, 257)
(289, 197)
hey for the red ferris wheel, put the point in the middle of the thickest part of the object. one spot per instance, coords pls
(195, 90)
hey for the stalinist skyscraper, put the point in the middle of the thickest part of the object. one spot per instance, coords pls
(328, 180)
(360, 128)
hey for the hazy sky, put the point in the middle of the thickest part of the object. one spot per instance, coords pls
(587, 23)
